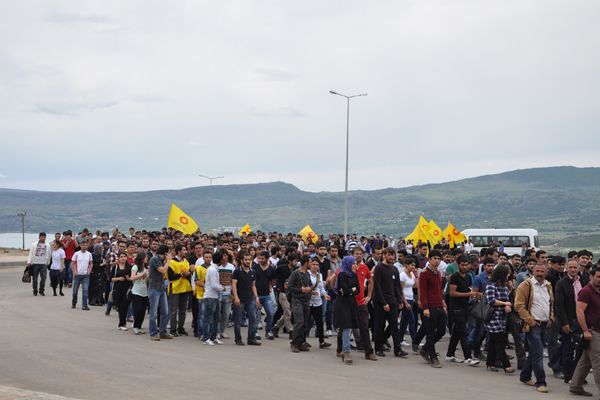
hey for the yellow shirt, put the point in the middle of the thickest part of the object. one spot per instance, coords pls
(181, 285)
(200, 277)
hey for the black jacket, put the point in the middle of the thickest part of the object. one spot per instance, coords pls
(564, 304)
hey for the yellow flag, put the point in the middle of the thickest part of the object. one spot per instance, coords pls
(435, 232)
(453, 235)
(245, 230)
(417, 235)
(307, 233)
(180, 221)
(425, 228)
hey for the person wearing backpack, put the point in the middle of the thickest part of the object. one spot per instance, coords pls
(534, 303)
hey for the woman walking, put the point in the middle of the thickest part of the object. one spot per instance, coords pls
(139, 292)
(57, 267)
(121, 284)
(496, 295)
(346, 310)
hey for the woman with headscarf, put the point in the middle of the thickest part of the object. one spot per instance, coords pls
(345, 308)
(96, 288)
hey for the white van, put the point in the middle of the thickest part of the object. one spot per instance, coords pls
(512, 239)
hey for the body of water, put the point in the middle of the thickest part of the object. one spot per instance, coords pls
(15, 240)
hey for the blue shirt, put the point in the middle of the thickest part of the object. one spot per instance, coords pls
(480, 282)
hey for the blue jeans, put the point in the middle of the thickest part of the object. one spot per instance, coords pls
(83, 280)
(225, 310)
(250, 309)
(346, 340)
(200, 319)
(158, 304)
(210, 318)
(476, 337)
(535, 358)
(408, 320)
(554, 348)
(267, 304)
(68, 278)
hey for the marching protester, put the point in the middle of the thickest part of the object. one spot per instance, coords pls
(497, 297)
(300, 289)
(81, 265)
(121, 285)
(346, 309)
(245, 299)
(57, 267)
(139, 291)
(158, 310)
(318, 294)
(40, 254)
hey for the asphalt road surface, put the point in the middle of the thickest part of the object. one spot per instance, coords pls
(50, 348)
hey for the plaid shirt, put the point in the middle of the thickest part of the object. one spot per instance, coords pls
(492, 293)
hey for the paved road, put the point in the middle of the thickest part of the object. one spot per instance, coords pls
(48, 347)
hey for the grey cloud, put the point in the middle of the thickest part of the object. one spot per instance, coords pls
(73, 108)
(79, 18)
(274, 74)
(149, 99)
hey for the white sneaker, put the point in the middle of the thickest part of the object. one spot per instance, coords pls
(136, 331)
(217, 341)
(329, 333)
(455, 360)
(260, 326)
(404, 343)
(471, 362)
(209, 342)
(123, 328)
(142, 332)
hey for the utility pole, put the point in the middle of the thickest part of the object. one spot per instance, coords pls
(22, 215)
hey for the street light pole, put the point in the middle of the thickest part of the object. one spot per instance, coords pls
(347, 154)
(211, 178)
(22, 215)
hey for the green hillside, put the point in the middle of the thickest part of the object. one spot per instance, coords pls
(558, 201)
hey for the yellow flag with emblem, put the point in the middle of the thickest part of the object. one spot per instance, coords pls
(435, 232)
(180, 221)
(307, 234)
(245, 230)
(453, 235)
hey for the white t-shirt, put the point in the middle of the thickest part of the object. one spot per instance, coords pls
(82, 261)
(409, 283)
(57, 256)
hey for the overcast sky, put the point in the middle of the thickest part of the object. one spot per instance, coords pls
(135, 95)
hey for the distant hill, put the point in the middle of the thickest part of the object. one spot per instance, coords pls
(558, 201)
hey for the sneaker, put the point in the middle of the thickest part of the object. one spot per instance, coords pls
(528, 382)
(435, 363)
(167, 336)
(401, 354)
(72, 305)
(415, 348)
(404, 343)
(182, 332)
(209, 342)
(454, 360)
(304, 347)
(240, 342)
(142, 332)
(217, 341)
(136, 331)
(324, 345)
(542, 389)
(85, 308)
(223, 336)
(481, 357)
(471, 362)
(155, 338)
(254, 343)
(270, 336)
(330, 333)
(295, 349)
(123, 328)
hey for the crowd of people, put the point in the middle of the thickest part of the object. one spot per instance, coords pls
(369, 293)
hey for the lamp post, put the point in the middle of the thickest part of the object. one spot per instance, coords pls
(211, 178)
(22, 215)
(347, 152)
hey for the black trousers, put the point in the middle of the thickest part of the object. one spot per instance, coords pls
(178, 310)
(38, 270)
(140, 305)
(122, 304)
(570, 353)
(511, 325)
(435, 328)
(380, 319)
(497, 350)
(301, 315)
(365, 337)
(459, 333)
(317, 315)
(56, 279)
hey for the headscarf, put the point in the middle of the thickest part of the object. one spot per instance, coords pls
(346, 268)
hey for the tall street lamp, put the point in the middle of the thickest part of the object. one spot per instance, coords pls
(347, 151)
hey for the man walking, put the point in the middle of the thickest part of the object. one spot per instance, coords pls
(300, 289)
(81, 266)
(210, 302)
(534, 303)
(157, 297)
(588, 317)
(179, 290)
(39, 257)
(245, 299)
